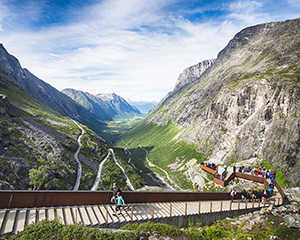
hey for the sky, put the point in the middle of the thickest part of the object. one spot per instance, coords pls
(134, 48)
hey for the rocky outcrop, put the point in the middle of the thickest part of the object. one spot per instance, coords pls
(6, 109)
(191, 74)
(246, 104)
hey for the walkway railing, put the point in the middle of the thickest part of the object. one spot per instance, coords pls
(29, 199)
(242, 175)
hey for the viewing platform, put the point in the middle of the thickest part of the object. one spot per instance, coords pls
(18, 208)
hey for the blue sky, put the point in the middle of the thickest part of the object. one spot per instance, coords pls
(134, 48)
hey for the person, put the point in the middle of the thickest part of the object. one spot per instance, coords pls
(254, 194)
(249, 194)
(120, 202)
(270, 192)
(259, 193)
(232, 193)
(265, 194)
(244, 195)
(116, 189)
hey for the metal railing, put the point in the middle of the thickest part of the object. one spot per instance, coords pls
(242, 175)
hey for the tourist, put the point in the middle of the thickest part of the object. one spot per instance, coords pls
(254, 194)
(265, 194)
(249, 194)
(232, 193)
(244, 195)
(120, 202)
(116, 189)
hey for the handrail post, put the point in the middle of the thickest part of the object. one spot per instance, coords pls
(76, 215)
(278, 201)
(199, 209)
(252, 204)
(239, 206)
(106, 219)
(230, 206)
(170, 211)
(131, 213)
(274, 202)
(258, 203)
(185, 209)
(210, 207)
(152, 212)
(246, 205)
(221, 206)
(265, 202)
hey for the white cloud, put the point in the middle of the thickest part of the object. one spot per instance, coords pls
(133, 48)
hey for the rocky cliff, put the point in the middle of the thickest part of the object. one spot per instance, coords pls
(246, 104)
(185, 79)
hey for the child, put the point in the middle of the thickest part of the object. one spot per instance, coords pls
(120, 201)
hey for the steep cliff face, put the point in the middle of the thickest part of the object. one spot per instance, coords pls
(185, 79)
(246, 104)
(191, 74)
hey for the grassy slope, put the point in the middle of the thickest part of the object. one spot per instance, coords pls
(162, 147)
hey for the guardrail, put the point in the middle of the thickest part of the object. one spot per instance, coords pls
(29, 199)
(242, 175)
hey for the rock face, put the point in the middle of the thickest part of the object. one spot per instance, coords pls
(191, 74)
(185, 79)
(6, 109)
(246, 104)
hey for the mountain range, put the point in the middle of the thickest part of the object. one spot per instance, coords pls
(240, 108)
(83, 107)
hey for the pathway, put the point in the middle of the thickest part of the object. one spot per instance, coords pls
(101, 216)
(79, 170)
(96, 183)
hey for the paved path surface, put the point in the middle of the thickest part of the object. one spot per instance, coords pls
(102, 216)
(79, 170)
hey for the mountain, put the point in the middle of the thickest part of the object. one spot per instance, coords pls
(186, 78)
(105, 106)
(143, 106)
(38, 143)
(244, 106)
(48, 95)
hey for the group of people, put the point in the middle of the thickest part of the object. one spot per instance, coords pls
(117, 198)
(263, 172)
(254, 194)
(210, 165)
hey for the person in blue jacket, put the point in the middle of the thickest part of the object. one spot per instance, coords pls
(120, 202)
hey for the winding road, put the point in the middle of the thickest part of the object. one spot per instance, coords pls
(153, 165)
(96, 183)
(79, 170)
